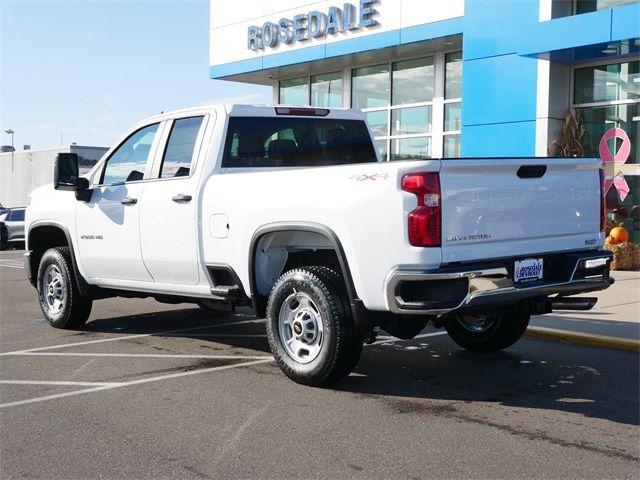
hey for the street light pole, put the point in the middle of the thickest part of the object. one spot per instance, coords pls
(11, 132)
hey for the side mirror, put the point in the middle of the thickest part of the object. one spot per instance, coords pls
(65, 172)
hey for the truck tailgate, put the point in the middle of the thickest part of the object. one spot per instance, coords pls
(516, 207)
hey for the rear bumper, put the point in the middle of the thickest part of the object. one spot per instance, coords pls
(479, 286)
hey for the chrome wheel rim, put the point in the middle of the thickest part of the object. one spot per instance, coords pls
(54, 290)
(300, 327)
(477, 323)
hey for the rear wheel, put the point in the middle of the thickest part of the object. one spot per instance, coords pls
(488, 332)
(310, 328)
(60, 300)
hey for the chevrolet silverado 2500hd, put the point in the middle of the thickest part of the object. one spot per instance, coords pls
(289, 210)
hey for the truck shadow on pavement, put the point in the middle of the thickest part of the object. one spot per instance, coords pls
(533, 374)
(192, 324)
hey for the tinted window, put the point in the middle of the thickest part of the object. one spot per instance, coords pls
(296, 142)
(128, 162)
(17, 216)
(176, 161)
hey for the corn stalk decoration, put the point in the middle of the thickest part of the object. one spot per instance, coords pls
(570, 142)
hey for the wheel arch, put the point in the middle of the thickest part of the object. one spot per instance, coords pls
(316, 230)
(44, 235)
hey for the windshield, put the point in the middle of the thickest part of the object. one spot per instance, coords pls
(296, 142)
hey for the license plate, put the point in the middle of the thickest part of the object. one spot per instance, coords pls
(528, 270)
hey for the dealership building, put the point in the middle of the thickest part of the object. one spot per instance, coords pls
(452, 78)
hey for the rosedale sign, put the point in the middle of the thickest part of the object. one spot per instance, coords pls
(312, 25)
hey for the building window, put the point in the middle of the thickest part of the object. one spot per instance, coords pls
(452, 104)
(413, 81)
(326, 90)
(586, 6)
(295, 91)
(413, 106)
(607, 97)
(318, 91)
(370, 87)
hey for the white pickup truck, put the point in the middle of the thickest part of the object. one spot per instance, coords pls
(290, 210)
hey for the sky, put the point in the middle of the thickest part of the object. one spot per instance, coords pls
(86, 71)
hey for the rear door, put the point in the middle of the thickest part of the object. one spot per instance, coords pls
(516, 207)
(169, 207)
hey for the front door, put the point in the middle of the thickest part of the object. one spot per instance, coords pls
(108, 233)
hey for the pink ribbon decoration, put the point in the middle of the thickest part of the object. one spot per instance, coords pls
(613, 161)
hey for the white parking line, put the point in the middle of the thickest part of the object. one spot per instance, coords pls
(134, 382)
(129, 337)
(220, 335)
(138, 355)
(72, 384)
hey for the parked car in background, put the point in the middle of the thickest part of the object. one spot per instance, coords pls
(11, 227)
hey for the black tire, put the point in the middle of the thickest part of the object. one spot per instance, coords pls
(341, 341)
(71, 310)
(499, 330)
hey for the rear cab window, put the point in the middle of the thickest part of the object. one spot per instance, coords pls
(179, 151)
(296, 142)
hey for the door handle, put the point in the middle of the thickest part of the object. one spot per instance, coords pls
(181, 197)
(129, 201)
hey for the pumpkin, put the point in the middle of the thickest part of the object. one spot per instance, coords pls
(619, 234)
(610, 240)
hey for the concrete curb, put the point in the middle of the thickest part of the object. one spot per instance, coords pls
(583, 338)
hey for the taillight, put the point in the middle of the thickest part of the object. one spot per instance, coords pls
(425, 222)
(603, 203)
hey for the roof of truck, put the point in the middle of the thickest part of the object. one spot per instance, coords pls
(234, 109)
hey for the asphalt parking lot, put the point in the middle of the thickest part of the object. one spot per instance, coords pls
(148, 390)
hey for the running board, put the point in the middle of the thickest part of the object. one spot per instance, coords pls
(578, 303)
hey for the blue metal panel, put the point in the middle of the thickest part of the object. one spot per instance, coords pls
(292, 57)
(427, 31)
(500, 140)
(490, 26)
(235, 68)
(362, 44)
(625, 22)
(499, 89)
(566, 32)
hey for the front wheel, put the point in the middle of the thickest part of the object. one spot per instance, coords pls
(60, 300)
(488, 332)
(310, 328)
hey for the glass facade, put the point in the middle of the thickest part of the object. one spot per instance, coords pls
(607, 97)
(413, 106)
(318, 91)
(326, 90)
(370, 87)
(586, 6)
(413, 81)
(452, 105)
(294, 91)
